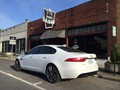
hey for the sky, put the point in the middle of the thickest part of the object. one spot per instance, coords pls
(14, 12)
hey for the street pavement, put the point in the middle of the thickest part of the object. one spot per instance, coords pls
(101, 73)
(26, 80)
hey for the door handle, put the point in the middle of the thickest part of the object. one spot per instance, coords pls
(44, 57)
(31, 56)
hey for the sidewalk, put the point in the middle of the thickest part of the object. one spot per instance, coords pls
(106, 75)
(9, 58)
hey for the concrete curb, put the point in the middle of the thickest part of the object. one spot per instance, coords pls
(109, 76)
(104, 74)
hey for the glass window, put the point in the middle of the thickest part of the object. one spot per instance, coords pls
(69, 49)
(73, 31)
(76, 31)
(34, 51)
(42, 50)
(46, 50)
(93, 28)
(17, 46)
(80, 30)
(84, 30)
(99, 27)
(104, 26)
(21, 45)
(3, 46)
(88, 29)
(69, 31)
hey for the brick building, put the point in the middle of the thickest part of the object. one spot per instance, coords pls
(88, 25)
(118, 22)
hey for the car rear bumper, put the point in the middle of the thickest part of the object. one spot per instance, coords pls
(76, 71)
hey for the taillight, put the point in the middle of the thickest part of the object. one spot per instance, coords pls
(75, 59)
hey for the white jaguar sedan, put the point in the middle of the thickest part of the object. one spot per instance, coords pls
(57, 62)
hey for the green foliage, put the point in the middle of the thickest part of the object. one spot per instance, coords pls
(115, 56)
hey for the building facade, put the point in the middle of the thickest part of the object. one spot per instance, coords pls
(118, 22)
(87, 27)
(20, 33)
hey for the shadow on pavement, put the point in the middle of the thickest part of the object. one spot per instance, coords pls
(37, 74)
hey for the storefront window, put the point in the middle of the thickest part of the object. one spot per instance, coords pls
(22, 46)
(6, 46)
(80, 30)
(87, 29)
(99, 27)
(73, 31)
(3, 46)
(17, 46)
(93, 28)
(76, 31)
(104, 27)
(84, 30)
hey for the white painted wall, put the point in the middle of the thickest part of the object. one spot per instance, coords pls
(19, 31)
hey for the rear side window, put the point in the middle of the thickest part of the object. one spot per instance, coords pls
(46, 50)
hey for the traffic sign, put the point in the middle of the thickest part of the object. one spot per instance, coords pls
(114, 31)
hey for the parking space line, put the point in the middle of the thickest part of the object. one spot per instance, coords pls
(29, 83)
(37, 83)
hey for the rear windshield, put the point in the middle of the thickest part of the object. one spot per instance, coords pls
(69, 49)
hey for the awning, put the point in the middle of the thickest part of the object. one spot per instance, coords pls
(53, 34)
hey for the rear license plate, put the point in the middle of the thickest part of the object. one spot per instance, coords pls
(90, 61)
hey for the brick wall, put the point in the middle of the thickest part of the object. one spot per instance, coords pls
(118, 23)
(91, 12)
(87, 13)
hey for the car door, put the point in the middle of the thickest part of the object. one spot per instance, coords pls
(45, 55)
(28, 61)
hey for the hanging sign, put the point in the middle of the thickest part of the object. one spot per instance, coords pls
(48, 18)
(12, 40)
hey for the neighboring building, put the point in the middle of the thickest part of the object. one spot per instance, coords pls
(20, 33)
(87, 27)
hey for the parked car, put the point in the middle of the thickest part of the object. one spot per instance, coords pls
(57, 62)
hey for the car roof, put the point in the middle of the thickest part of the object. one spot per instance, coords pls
(51, 45)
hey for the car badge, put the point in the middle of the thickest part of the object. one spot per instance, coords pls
(91, 56)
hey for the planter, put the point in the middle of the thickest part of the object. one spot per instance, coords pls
(109, 67)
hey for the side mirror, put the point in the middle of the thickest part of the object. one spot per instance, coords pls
(26, 52)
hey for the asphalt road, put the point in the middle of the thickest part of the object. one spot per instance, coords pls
(26, 80)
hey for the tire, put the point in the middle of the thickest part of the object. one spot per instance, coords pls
(17, 65)
(52, 74)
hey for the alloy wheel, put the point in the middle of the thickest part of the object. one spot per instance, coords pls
(52, 74)
(17, 65)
